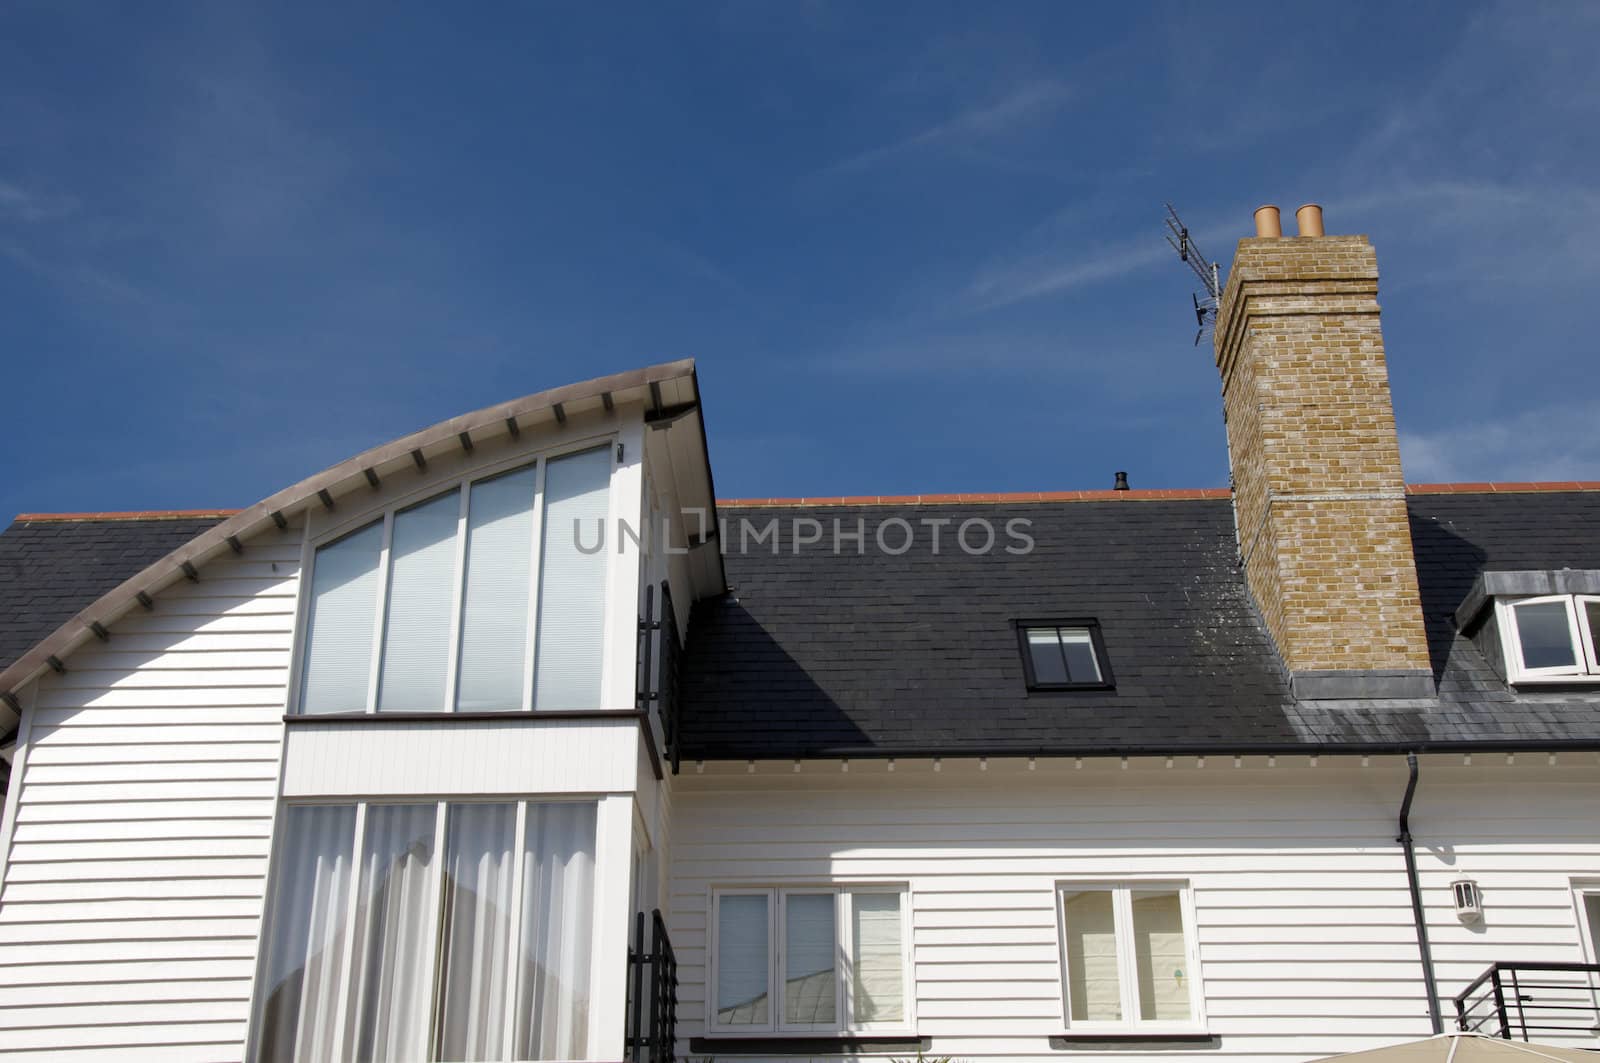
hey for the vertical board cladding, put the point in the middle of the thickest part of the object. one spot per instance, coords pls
(1304, 926)
(132, 896)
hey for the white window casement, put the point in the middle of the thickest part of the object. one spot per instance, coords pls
(1551, 638)
(428, 931)
(1586, 895)
(810, 960)
(486, 596)
(1129, 961)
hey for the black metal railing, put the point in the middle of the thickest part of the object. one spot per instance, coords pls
(652, 994)
(1530, 1001)
(659, 660)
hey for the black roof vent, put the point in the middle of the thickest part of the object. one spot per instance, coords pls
(1122, 482)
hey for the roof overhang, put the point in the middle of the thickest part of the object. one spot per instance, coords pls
(669, 393)
(1529, 582)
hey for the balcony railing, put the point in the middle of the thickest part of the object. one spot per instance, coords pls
(652, 994)
(659, 660)
(1533, 1001)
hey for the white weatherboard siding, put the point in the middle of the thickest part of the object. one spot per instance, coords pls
(1304, 925)
(132, 897)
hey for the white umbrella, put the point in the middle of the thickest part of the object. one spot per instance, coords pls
(1468, 1048)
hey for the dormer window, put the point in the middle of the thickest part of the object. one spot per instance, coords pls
(1063, 655)
(1550, 638)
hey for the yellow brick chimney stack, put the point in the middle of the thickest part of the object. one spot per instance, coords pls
(1318, 490)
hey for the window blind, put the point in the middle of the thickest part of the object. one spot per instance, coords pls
(344, 600)
(879, 969)
(422, 578)
(572, 583)
(742, 960)
(494, 608)
(1160, 957)
(1093, 986)
(809, 942)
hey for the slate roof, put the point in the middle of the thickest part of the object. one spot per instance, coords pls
(813, 654)
(51, 569)
(873, 654)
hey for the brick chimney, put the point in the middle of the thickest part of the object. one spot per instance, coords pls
(1317, 486)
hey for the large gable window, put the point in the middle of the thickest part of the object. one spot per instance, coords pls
(435, 931)
(1551, 638)
(489, 597)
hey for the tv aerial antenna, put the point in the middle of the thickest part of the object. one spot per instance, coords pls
(1205, 310)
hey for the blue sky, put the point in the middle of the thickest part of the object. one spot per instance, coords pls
(913, 249)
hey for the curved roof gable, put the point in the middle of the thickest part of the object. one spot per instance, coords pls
(668, 387)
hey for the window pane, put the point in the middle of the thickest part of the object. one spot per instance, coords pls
(302, 970)
(494, 610)
(476, 929)
(1093, 988)
(1160, 956)
(878, 960)
(572, 582)
(557, 932)
(742, 962)
(809, 988)
(1044, 647)
(1546, 638)
(344, 598)
(422, 579)
(1078, 647)
(390, 991)
(1591, 910)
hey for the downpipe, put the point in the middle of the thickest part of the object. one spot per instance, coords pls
(1417, 915)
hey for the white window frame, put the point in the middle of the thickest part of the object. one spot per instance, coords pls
(435, 895)
(1587, 669)
(418, 496)
(777, 940)
(1122, 890)
(1581, 890)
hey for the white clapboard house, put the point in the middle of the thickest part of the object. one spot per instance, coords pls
(507, 741)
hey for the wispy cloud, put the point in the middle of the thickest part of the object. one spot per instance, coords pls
(20, 204)
(1556, 442)
(1049, 275)
(1022, 106)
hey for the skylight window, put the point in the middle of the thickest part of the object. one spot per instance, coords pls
(1063, 655)
(1552, 638)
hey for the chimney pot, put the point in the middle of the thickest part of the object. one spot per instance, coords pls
(1268, 223)
(1122, 482)
(1309, 219)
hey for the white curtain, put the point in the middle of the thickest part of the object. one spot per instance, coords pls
(1160, 956)
(572, 581)
(344, 597)
(810, 946)
(302, 970)
(742, 959)
(494, 608)
(1093, 987)
(416, 630)
(879, 958)
(557, 932)
(475, 934)
(389, 989)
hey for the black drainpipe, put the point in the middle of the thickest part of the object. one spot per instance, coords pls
(1416, 898)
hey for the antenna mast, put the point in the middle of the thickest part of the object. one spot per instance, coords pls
(1205, 310)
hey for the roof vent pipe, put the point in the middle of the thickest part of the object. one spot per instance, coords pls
(1309, 219)
(1267, 221)
(1122, 482)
